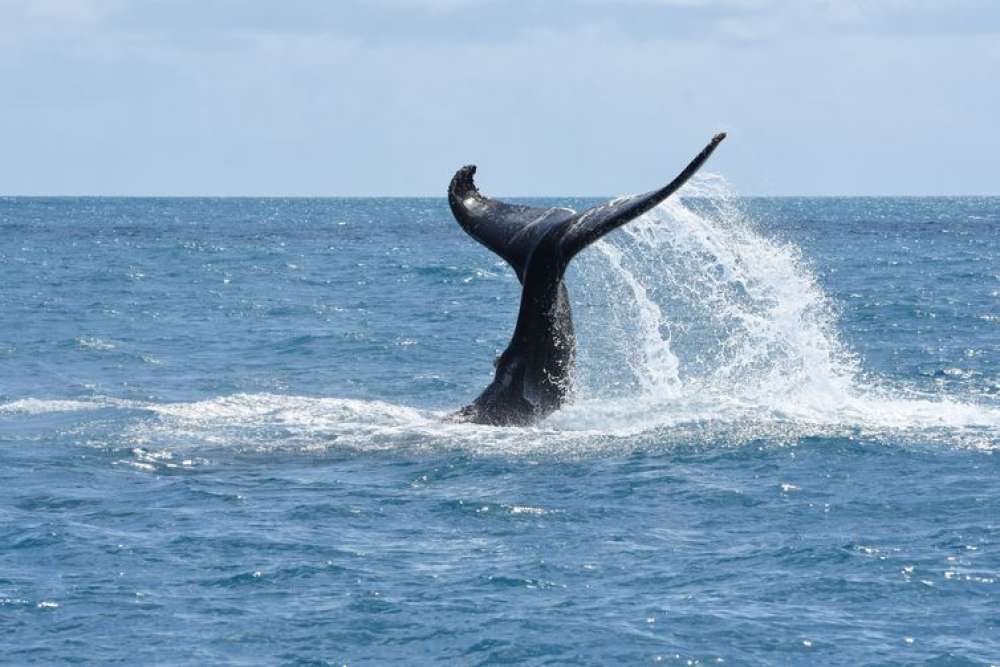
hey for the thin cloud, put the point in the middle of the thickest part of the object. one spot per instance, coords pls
(575, 97)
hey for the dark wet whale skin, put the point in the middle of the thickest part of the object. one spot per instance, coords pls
(534, 375)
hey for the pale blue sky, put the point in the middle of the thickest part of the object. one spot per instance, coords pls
(560, 97)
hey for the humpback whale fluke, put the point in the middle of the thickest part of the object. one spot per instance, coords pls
(534, 375)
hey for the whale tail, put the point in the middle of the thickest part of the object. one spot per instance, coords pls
(534, 375)
(512, 230)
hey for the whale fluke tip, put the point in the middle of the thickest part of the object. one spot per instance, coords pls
(462, 183)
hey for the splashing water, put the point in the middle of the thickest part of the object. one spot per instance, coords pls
(716, 322)
(744, 312)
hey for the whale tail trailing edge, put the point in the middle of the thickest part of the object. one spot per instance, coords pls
(512, 230)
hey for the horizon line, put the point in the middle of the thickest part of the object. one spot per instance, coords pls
(445, 196)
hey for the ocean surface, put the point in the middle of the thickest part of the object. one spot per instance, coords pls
(221, 437)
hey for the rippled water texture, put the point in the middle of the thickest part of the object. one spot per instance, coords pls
(221, 437)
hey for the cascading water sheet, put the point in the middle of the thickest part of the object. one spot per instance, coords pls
(715, 321)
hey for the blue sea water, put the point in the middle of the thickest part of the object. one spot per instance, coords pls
(221, 437)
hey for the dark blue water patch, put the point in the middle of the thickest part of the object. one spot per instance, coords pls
(500, 544)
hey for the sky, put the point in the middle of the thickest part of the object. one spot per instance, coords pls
(554, 97)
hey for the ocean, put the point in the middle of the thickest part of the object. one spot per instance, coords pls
(222, 437)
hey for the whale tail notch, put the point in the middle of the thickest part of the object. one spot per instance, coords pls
(512, 230)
